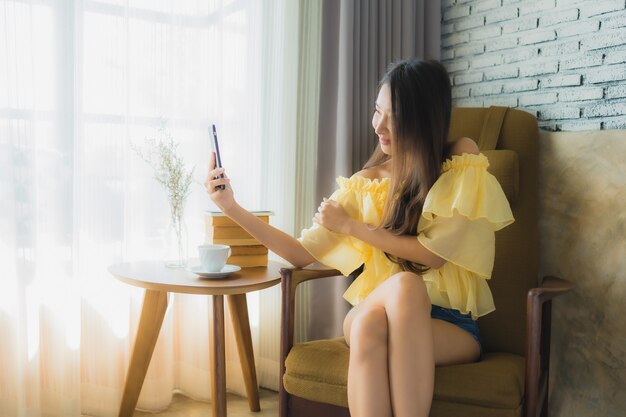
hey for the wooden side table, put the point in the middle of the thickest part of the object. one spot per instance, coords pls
(158, 281)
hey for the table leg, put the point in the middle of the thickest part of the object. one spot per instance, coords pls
(152, 314)
(218, 359)
(241, 325)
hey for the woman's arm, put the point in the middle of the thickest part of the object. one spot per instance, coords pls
(403, 246)
(332, 216)
(274, 239)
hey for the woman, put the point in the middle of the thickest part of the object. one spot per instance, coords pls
(421, 217)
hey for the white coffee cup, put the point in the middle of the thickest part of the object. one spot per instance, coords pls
(213, 257)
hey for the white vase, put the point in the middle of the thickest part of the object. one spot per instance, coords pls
(176, 243)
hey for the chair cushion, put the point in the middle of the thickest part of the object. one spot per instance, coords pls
(318, 371)
(497, 381)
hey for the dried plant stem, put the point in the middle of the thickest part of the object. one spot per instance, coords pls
(169, 170)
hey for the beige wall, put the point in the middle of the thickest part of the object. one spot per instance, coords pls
(583, 238)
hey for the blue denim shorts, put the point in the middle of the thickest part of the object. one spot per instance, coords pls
(464, 321)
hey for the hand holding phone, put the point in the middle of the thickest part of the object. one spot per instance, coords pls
(218, 158)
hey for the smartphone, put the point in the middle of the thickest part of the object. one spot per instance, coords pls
(218, 158)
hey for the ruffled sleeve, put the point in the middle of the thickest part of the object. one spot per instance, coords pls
(462, 211)
(467, 187)
(361, 198)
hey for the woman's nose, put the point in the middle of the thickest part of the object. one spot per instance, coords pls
(379, 124)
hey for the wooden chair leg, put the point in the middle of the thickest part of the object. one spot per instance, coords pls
(218, 359)
(150, 321)
(241, 325)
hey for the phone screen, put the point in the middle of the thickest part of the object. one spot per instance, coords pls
(218, 158)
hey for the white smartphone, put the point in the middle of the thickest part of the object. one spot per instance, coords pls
(218, 158)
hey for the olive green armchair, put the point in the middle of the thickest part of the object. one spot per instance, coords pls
(511, 380)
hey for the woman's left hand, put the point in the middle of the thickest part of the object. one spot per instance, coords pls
(332, 216)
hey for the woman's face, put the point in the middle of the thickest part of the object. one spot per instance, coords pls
(382, 121)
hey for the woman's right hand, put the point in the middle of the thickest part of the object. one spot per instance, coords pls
(224, 199)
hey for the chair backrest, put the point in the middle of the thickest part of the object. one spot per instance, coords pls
(514, 162)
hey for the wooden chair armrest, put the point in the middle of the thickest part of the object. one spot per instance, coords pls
(538, 320)
(290, 279)
(296, 276)
(550, 287)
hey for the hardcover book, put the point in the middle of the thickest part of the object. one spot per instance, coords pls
(246, 251)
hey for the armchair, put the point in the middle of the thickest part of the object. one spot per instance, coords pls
(512, 377)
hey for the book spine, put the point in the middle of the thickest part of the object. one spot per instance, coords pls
(227, 222)
(234, 242)
(220, 232)
(248, 250)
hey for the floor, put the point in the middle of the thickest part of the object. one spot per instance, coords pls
(236, 407)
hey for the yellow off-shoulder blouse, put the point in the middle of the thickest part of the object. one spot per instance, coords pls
(462, 210)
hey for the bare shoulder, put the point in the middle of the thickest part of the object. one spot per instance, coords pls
(370, 173)
(465, 145)
(373, 173)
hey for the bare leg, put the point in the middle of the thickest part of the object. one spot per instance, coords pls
(415, 343)
(368, 382)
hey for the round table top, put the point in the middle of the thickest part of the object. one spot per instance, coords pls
(154, 275)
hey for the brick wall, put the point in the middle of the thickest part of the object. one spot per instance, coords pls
(562, 60)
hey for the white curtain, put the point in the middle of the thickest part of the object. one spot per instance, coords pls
(79, 82)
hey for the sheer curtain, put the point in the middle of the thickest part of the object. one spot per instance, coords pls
(80, 81)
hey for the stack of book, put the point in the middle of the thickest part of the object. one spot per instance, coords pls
(245, 249)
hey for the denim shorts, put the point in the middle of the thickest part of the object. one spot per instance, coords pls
(464, 321)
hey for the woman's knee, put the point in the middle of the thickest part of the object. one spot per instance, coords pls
(408, 290)
(369, 329)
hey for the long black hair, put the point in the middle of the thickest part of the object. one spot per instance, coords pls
(421, 106)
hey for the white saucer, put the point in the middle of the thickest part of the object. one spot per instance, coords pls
(225, 271)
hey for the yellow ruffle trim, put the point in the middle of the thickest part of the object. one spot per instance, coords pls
(454, 287)
(466, 186)
(363, 198)
(362, 184)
